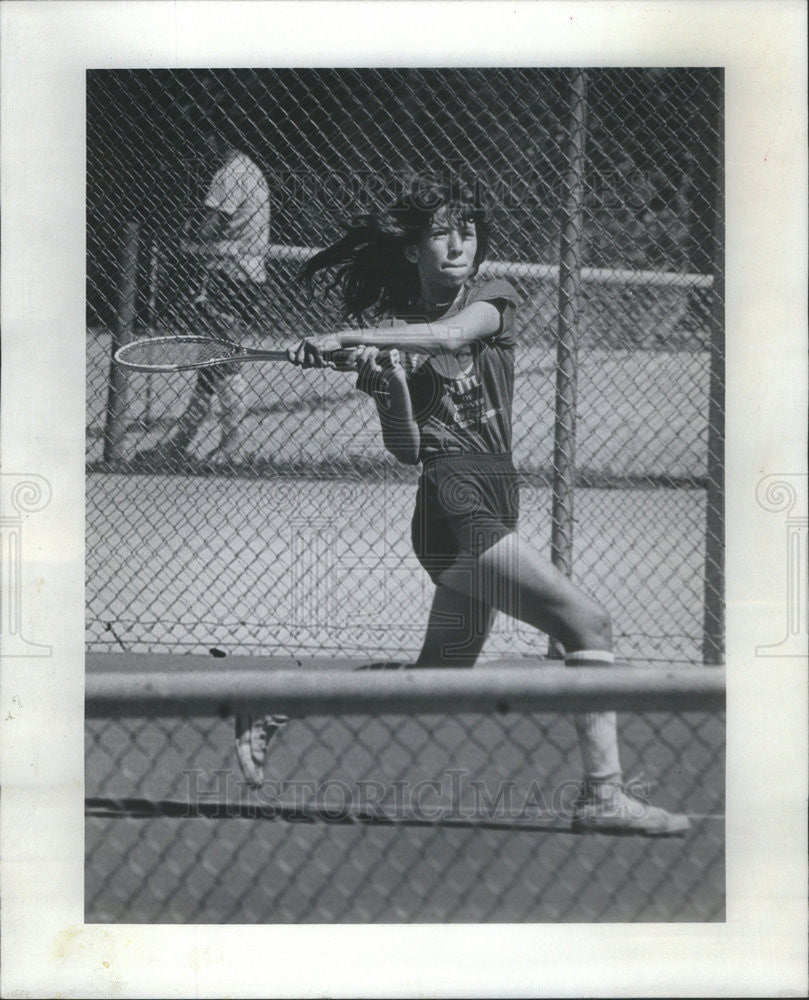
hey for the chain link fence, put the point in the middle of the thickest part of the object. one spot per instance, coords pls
(605, 188)
(460, 817)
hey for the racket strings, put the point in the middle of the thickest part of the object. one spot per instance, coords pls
(171, 352)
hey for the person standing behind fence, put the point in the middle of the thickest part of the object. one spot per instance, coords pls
(226, 245)
(407, 276)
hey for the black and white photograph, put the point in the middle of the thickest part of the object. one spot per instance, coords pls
(485, 429)
(404, 499)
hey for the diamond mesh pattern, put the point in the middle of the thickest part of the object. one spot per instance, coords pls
(395, 819)
(303, 544)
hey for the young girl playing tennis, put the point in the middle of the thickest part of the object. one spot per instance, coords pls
(406, 279)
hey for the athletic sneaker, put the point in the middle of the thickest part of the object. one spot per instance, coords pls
(252, 740)
(606, 808)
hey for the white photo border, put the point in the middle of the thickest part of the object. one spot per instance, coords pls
(47, 948)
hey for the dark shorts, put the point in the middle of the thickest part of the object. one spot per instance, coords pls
(465, 504)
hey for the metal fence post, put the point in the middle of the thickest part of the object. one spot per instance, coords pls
(632, 174)
(570, 258)
(713, 632)
(123, 332)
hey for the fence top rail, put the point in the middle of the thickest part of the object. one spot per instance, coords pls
(541, 272)
(493, 689)
(544, 272)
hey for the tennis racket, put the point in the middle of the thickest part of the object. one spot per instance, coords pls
(179, 354)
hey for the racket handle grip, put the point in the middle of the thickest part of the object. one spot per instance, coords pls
(344, 359)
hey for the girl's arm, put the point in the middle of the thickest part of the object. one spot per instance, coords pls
(476, 321)
(386, 383)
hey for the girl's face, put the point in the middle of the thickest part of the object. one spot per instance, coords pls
(444, 254)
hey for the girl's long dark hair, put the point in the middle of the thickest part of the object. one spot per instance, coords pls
(368, 266)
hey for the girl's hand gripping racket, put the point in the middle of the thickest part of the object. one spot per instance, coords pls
(178, 354)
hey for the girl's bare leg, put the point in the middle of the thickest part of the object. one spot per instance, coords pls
(456, 630)
(512, 577)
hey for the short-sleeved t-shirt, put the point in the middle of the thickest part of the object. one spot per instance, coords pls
(240, 191)
(462, 402)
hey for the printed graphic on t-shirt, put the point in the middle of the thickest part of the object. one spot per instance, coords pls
(465, 398)
(462, 401)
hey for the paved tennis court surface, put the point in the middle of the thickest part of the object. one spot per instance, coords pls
(393, 819)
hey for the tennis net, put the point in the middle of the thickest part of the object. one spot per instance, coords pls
(392, 795)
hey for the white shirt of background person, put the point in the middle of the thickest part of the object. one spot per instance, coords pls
(239, 191)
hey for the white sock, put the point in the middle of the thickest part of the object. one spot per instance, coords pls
(597, 731)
